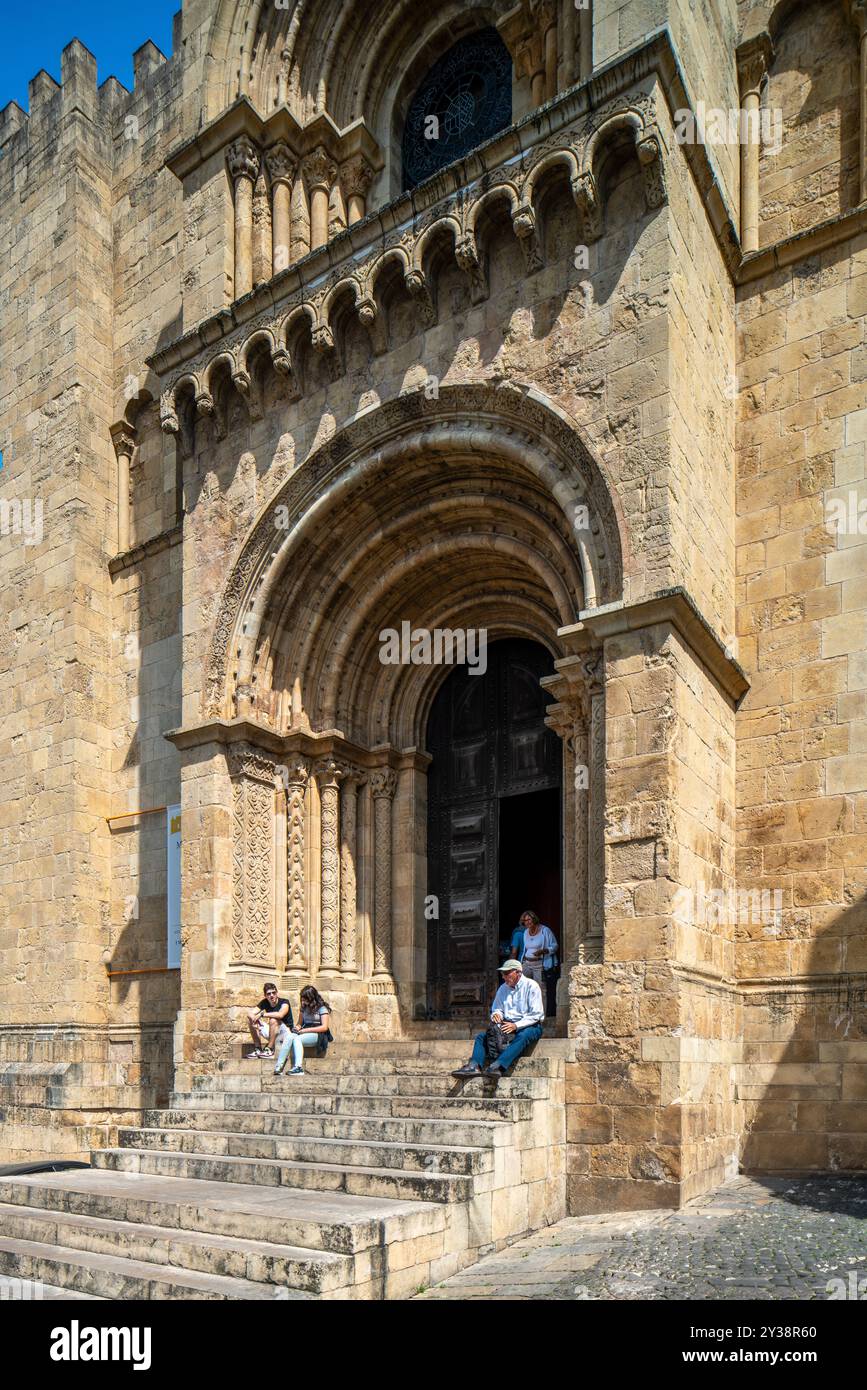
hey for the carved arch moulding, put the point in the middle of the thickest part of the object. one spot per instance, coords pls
(516, 425)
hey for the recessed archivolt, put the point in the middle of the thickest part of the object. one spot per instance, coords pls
(485, 502)
(346, 59)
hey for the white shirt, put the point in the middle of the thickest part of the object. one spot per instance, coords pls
(521, 1005)
(542, 944)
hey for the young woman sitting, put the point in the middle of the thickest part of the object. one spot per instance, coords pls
(312, 1031)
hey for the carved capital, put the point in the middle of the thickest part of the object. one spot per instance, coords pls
(467, 252)
(320, 170)
(123, 438)
(245, 760)
(383, 783)
(204, 404)
(295, 774)
(330, 772)
(356, 177)
(243, 159)
(754, 59)
(281, 163)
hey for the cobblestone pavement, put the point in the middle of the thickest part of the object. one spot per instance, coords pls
(768, 1238)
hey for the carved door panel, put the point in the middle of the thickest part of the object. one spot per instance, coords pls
(487, 739)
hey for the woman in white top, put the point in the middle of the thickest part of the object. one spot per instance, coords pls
(538, 952)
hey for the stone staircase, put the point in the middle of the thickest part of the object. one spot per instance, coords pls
(374, 1174)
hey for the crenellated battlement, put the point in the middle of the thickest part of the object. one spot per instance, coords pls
(52, 105)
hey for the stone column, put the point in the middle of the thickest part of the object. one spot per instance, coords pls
(243, 158)
(546, 18)
(320, 173)
(348, 852)
(356, 176)
(281, 167)
(858, 16)
(531, 63)
(594, 707)
(329, 774)
(382, 786)
(585, 42)
(261, 230)
(123, 438)
(753, 61)
(297, 777)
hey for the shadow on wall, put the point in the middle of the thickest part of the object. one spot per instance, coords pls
(803, 1084)
(538, 324)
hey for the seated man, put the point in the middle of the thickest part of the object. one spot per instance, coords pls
(518, 1011)
(269, 1021)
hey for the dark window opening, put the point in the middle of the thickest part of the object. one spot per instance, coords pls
(464, 100)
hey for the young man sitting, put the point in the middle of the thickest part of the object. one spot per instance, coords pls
(518, 1012)
(269, 1021)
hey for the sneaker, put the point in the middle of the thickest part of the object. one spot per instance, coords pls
(468, 1069)
(266, 1052)
(295, 1071)
(278, 1069)
(253, 1056)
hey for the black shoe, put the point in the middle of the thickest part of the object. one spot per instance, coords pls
(495, 1071)
(468, 1069)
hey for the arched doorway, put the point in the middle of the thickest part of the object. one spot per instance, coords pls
(494, 820)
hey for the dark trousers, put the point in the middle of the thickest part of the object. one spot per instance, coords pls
(520, 1042)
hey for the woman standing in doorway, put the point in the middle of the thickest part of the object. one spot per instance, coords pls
(538, 955)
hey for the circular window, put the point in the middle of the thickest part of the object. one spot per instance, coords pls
(464, 100)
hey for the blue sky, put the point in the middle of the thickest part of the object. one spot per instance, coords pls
(35, 34)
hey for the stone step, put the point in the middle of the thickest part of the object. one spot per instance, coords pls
(469, 1107)
(373, 1153)
(363, 1065)
(116, 1276)
(53, 1291)
(318, 1177)
(257, 1262)
(348, 1084)
(481, 1134)
(310, 1220)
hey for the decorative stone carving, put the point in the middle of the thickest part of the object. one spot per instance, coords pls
(649, 151)
(467, 257)
(253, 777)
(243, 159)
(383, 783)
(526, 230)
(329, 774)
(348, 852)
(282, 164)
(417, 285)
(297, 777)
(586, 196)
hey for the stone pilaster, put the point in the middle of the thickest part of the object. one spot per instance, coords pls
(253, 799)
(330, 774)
(297, 778)
(348, 854)
(383, 783)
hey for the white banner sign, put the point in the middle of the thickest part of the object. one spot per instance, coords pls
(173, 885)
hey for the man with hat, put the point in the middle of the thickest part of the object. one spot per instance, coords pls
(518, 1012)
